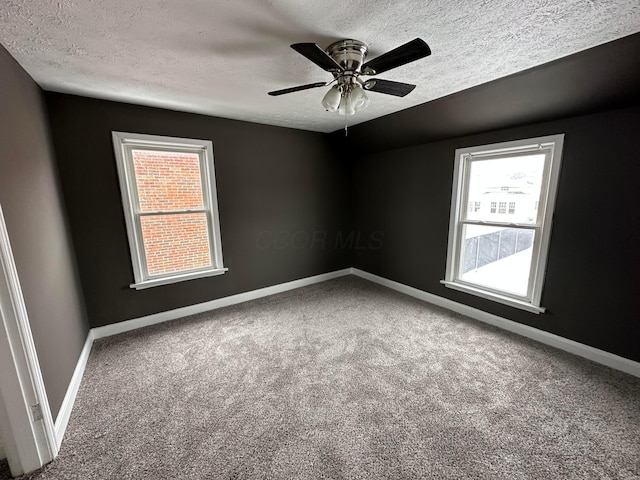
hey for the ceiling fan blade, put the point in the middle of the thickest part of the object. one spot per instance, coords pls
(409, 52)
(398, 89)
(318, 56)
(297, 89)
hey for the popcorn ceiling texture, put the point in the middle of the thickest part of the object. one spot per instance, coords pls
(219, 57)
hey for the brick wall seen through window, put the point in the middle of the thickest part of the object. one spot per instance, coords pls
(171, 182)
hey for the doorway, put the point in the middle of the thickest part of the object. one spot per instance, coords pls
(26, 424)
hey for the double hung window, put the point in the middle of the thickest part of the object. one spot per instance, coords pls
(500, 253)
(169, 197)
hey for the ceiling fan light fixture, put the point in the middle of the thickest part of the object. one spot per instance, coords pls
(331, 100)
(353, 100)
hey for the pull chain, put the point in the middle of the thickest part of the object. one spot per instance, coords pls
(346, 116)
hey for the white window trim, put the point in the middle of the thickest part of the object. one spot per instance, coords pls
(124, 143)
(551, 144)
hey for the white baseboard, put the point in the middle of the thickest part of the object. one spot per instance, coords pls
(121, 327)
(594, 354)
(62, 419)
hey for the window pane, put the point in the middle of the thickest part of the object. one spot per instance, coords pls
(498, 258)
(175, 242)
(511, 181)
(167, 180)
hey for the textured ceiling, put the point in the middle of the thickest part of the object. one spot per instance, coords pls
(221, 57)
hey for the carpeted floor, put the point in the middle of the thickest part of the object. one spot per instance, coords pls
(345, 379)
(4, 469)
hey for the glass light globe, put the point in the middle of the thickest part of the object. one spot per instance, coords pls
(359, 98)
(346, 106)
(331, 100)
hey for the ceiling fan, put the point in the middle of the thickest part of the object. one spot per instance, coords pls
(344, 59)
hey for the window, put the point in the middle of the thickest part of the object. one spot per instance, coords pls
(169, 197)
(498, 257)
(474, 206)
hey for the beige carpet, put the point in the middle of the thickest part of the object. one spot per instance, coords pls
(345, 379)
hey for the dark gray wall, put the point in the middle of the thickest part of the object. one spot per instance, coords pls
(273, 183)
(403, 170)
(33, 209)
(591, 289)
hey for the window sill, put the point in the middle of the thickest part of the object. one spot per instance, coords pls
(154, 282)
(512, 302)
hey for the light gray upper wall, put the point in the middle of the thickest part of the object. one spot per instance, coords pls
(2, 454)
(34, 213)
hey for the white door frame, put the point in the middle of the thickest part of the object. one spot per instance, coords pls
(26, 424)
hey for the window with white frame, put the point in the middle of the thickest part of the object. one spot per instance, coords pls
(169, 197)
(500, 257)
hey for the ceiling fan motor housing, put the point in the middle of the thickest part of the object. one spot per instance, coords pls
(349, 54)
